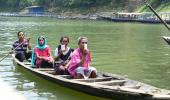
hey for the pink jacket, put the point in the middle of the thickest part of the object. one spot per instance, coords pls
(76, 58)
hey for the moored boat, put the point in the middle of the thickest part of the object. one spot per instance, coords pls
(106, 85)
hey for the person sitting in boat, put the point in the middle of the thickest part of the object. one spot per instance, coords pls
(80, 61)
(41, 56)
(21, 46)
(62, 56)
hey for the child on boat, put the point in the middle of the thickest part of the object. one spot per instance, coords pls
(62, 56)
(41, 56)
(80, 61)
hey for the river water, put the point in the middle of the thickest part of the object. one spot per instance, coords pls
(132, 49)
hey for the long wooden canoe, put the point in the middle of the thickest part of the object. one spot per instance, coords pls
(105, 85)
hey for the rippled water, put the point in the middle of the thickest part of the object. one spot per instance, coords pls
(135, 50)
(31, 86)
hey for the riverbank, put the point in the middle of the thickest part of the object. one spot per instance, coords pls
(52, 15)
(145, 17)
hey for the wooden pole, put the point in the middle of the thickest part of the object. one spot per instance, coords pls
(165, 24)
(12, 51)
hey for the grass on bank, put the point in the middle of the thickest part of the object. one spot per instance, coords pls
(158, 6)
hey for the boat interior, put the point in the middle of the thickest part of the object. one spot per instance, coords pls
(111, 81)
(105, 79)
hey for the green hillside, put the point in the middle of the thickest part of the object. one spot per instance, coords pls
(158, 5)
(85, 6)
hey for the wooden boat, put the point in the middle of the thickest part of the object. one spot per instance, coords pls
(105, 85)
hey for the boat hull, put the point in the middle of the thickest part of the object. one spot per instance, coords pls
(106, 85)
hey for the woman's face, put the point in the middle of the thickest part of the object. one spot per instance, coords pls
(65, 41)
(41, 41)
(82, 42)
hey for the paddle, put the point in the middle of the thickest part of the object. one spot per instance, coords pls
(13, 50)
(166, 38)
(150, 7)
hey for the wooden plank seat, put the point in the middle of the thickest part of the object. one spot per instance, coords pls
(132, 86)
(50, 72)
(45, 69)
(27, 63)
(113, 75)
(112, 82)
(95, 79)
(65, 76)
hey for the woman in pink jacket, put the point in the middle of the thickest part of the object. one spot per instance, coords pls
(80, 61)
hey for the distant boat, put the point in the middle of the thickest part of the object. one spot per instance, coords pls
(106, 85)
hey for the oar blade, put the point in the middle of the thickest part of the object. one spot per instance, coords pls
(167, 39)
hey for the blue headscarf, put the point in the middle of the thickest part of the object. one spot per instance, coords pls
(41, 47)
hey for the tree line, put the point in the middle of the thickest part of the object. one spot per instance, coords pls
(76, 4)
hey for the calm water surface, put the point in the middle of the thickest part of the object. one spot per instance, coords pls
(131, 49)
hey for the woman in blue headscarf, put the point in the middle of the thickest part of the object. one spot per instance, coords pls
(42, 54)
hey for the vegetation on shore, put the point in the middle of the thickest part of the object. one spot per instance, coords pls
(158, 5)
(85, 6)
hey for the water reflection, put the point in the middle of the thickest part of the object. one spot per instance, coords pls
(43, 89)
